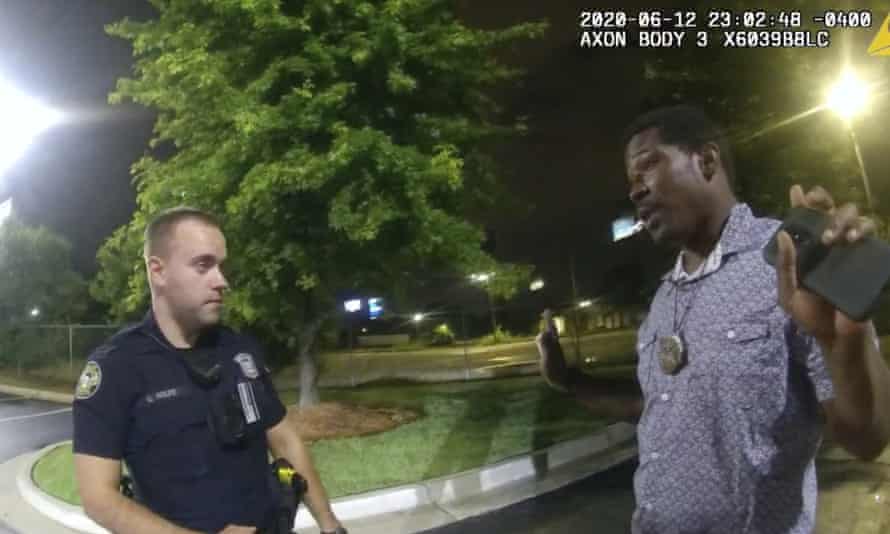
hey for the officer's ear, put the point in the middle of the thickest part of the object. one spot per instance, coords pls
(155, 267)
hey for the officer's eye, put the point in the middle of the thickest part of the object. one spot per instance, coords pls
(204, 265)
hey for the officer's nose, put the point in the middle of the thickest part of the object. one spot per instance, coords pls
(220, 283)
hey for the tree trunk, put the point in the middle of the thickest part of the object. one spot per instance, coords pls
(309, 364)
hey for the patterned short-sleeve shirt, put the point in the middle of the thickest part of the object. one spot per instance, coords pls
(727, 443)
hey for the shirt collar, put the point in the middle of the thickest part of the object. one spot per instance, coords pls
(149, 326)
(737, 236)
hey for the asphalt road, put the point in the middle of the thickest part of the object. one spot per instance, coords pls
(29, 425)
(601, 503)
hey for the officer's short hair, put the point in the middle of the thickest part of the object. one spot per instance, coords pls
(161, 227)
(684, 126)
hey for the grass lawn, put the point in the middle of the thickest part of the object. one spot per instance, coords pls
(462, 426)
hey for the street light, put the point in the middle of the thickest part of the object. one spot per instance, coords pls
(35, 312)
(536, 285)
(418, 317)
(23, 119)
(585, 304)
(847, 98)
(483, 278)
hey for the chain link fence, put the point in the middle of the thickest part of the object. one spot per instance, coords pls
(47, 352)
(437, 345)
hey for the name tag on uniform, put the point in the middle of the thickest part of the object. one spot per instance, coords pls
(248, 402)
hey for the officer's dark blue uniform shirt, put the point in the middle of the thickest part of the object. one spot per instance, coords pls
(135, 401)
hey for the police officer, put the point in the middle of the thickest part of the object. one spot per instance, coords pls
(187, 403)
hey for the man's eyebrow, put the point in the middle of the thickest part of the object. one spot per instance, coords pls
(641, 152)
(205, 257)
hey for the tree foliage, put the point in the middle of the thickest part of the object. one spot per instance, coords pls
(339, 141)
(36, 273)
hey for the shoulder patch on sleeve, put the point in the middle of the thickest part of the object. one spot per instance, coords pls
(89, 382)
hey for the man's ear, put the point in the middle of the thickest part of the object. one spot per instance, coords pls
(709, 160)
(155, 267)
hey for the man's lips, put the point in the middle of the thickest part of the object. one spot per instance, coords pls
(646, 213)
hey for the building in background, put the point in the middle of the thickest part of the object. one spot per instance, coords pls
(5, 210)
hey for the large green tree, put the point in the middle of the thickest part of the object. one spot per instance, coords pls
(36, 274)
(37, 286)
(340, 141)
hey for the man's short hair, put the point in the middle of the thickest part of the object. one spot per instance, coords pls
(687, 127)
(159, 230)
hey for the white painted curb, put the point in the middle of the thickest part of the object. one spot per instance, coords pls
(57, 510)
(466, 485)
(435, 492)
(29, 393)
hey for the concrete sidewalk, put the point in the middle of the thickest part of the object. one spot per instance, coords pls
(403, 509)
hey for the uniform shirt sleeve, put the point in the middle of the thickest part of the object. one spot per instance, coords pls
(808, 353)
(101, 406)
(273, 409)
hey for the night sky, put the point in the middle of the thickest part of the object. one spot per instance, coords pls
(568, 169)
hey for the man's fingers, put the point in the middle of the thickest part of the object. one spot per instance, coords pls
(845, 219)
(819, 199)
(864, 227)
(786, 269)
(797, 197)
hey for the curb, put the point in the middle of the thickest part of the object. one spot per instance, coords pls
(450, 491)
(451, 495)
(69, 515)
(38, 394)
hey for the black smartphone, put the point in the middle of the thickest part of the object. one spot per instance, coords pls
(849, 276)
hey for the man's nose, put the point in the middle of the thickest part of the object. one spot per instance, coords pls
(220, 282)
(638, 191)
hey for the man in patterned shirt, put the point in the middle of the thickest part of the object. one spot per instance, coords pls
(740, 368)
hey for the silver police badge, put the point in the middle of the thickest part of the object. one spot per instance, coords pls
(248, 365)
(671, 354)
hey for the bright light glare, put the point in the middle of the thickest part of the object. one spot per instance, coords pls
(35, 312)
(585, 304)
(536, 285)
(848, 97)
(418, 317)
(481, 277)
(23, 119)
(353, 305)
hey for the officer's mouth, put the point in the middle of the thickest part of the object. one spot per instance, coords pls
(217, 302)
